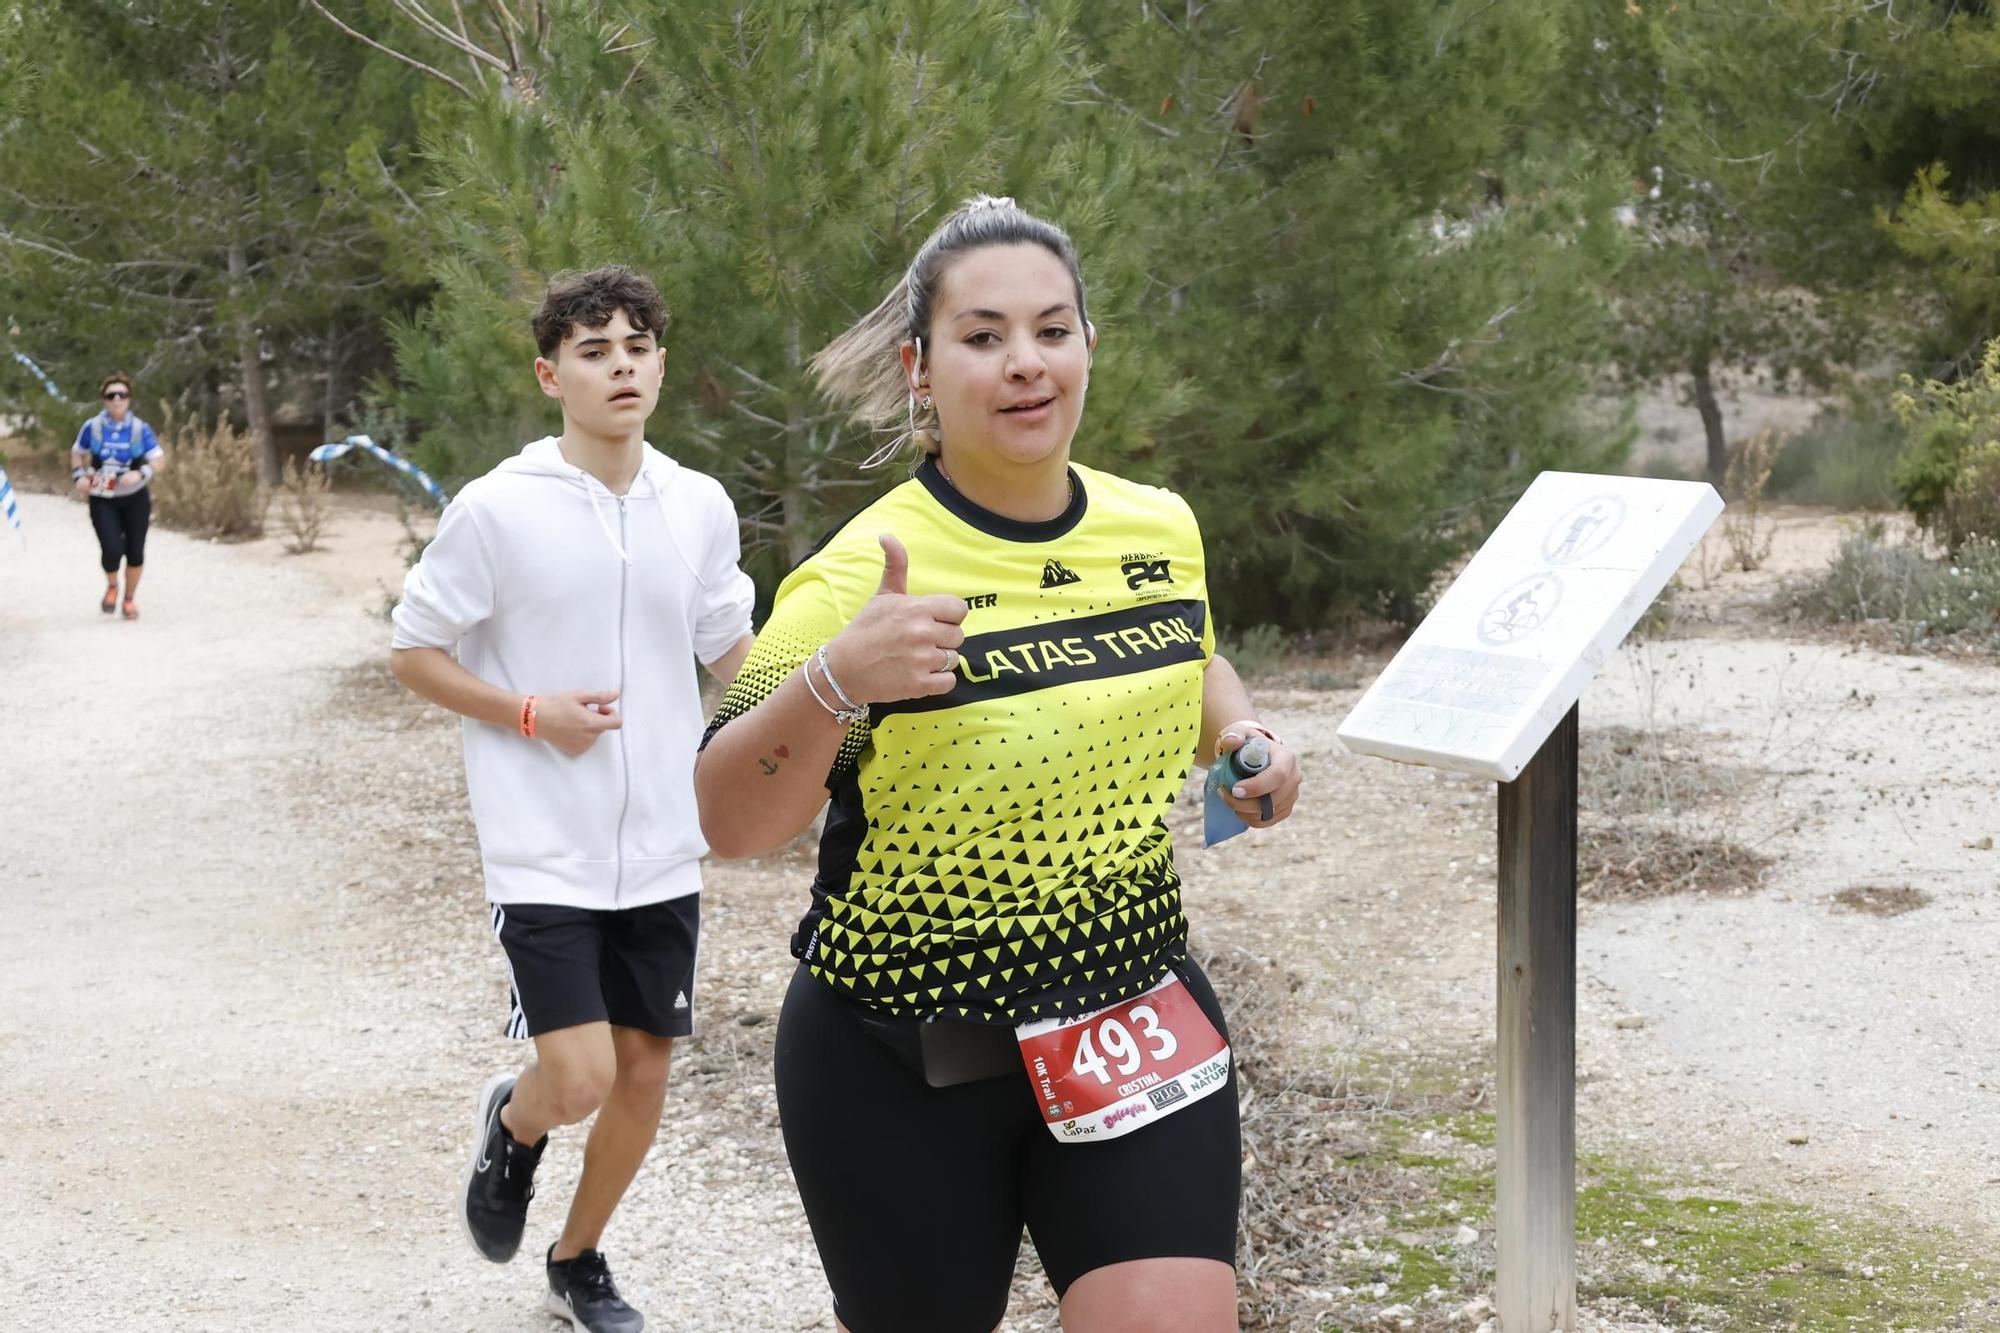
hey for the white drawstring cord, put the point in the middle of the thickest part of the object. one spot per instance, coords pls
(591, 486)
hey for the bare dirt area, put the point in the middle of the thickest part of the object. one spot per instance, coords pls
(1801, 1035)
(249, 992)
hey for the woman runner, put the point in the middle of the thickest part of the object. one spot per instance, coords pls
(114, 458)
(1001, 671)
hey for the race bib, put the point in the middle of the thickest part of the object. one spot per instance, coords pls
(1106, 1074)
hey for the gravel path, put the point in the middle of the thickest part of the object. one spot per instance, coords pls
(249, 992)
(239, 1049)
(1780, 1015)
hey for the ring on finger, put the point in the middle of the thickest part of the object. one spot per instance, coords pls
(950, 660)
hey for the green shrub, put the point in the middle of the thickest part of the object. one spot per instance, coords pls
(1258, 651)
(1844, 457)
(1920, 598)
(1948, 475)
(1662, 467)
(1972, 505)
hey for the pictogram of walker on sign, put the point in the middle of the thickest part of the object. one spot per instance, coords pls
(1488, 686)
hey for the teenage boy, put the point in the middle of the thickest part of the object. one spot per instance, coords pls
(559, 609)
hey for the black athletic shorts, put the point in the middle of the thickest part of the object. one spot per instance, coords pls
(917, 1195)
(572, 965)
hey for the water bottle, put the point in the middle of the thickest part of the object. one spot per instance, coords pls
(1246, 761)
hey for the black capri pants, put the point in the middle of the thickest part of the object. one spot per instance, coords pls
(917, 1195)
(121, 522)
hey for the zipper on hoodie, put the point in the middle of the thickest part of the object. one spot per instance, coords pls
(624, 754)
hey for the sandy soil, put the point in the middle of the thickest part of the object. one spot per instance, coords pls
(249, 994)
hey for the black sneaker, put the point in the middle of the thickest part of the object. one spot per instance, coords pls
(500, 1179)
(581, 1291)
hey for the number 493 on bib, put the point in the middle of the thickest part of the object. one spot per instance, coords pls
(1118, 1070)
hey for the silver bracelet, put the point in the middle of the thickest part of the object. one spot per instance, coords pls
(806, 672)
(848, 716)
(850, 712)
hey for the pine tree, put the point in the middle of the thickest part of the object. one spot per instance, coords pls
(173, 201)
(1753, 204)
(1347, 288)
(1378, 282)
(773, 167)
(1929, 129)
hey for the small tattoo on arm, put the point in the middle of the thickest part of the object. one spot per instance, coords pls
(769, 767)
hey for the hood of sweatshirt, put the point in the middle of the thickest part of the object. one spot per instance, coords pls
(544, 458)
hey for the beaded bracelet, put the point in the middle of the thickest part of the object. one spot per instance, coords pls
(528, 717)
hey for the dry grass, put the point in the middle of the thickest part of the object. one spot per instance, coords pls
(1634, 859)
(1627, 771)
(1656, 816)
(1881, 900)
(1748, 534)
(209, 485)
(302, 506)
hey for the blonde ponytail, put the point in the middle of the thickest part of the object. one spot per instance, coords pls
(864, 368)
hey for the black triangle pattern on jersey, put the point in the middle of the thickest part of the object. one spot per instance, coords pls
(1003, 854)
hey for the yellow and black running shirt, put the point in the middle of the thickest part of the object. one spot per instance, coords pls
(1000, 853)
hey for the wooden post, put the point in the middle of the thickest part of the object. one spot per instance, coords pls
(1536, 1213)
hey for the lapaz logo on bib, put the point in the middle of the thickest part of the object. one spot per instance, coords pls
(1106, 1074)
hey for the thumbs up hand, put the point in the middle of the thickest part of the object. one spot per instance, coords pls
(899, 646)
(895, 566)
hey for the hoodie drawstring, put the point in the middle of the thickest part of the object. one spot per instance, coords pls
(674, 525)
(591, 488)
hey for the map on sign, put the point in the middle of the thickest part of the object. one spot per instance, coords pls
(1513, 641)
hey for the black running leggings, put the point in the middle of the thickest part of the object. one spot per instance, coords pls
(917, 1195)
(121, 522)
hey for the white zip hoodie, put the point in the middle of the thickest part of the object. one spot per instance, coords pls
(541, 580)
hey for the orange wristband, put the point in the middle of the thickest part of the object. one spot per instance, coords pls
(528, 717)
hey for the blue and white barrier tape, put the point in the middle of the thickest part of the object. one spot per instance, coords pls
(326, 453)
(10, 506)
(42, 375)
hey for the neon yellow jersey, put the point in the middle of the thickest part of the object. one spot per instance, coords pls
(1000, 853)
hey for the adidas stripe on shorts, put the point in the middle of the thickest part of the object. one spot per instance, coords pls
(572, 965)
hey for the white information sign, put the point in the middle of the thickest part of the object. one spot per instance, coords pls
(1511, 644)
